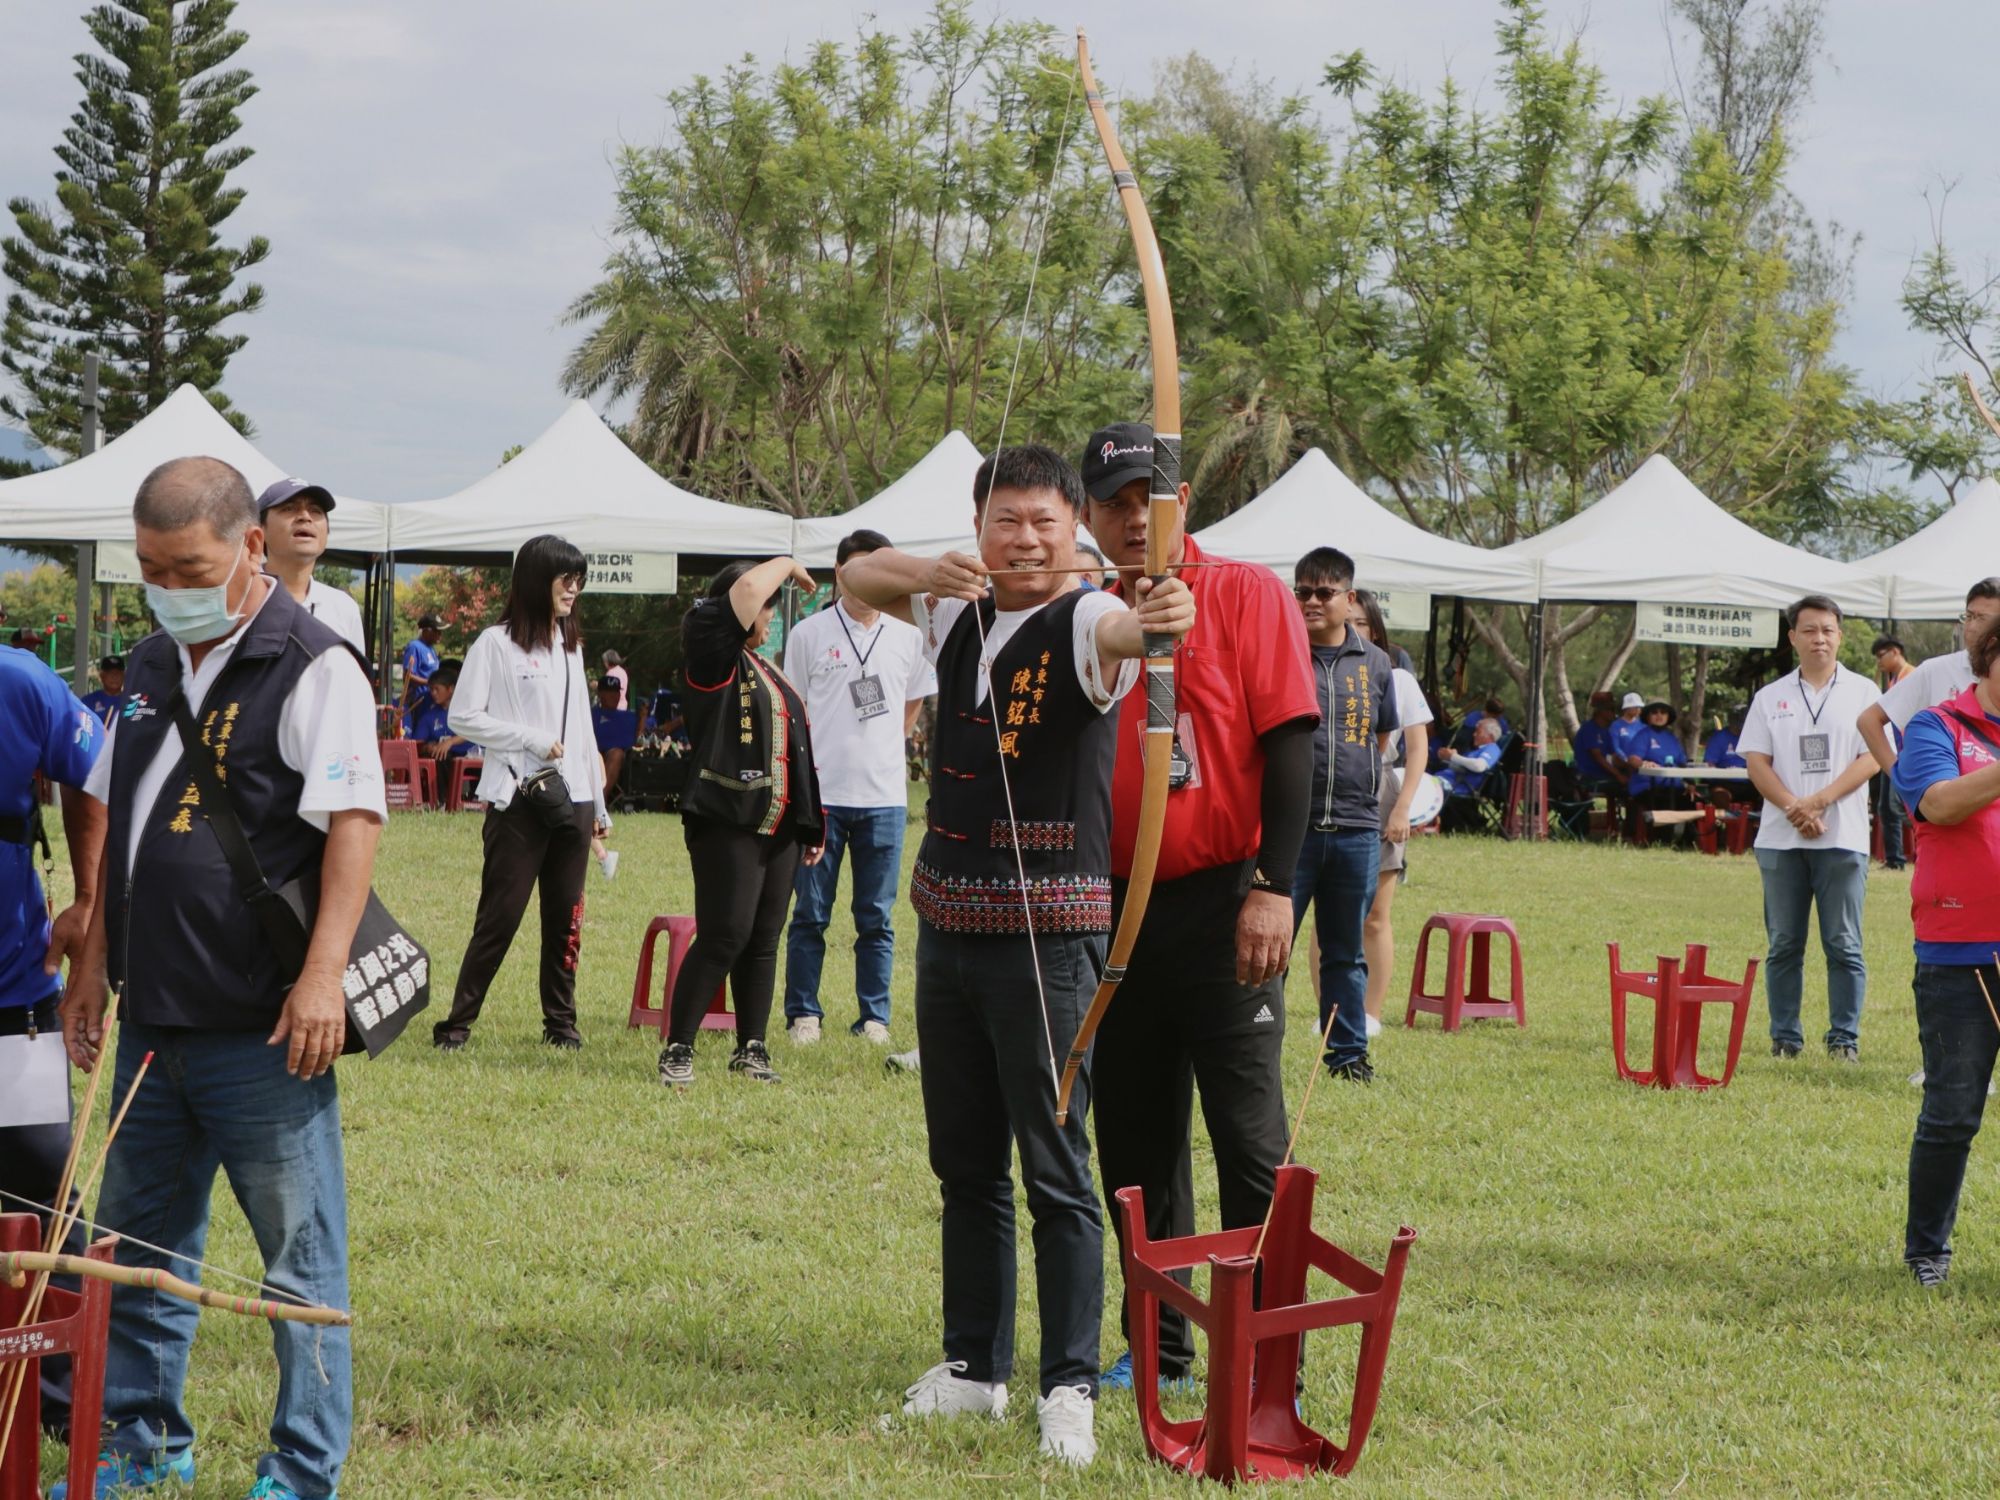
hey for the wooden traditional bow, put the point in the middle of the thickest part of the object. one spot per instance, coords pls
(1162, 514)
(17, 1266)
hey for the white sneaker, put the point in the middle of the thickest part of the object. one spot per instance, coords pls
(904, 1062)
(876, 1032)
(804, 1031)
(609, 864)
(1069, 1425)
(941, 1391)
(1374, 1027)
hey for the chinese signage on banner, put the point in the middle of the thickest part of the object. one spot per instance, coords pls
(1707, 625)
(117, 562)
(1405, 609)
(633, 572)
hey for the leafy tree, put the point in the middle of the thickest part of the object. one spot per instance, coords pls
(826, 268)
(129, 263)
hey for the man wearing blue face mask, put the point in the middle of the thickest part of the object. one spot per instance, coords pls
(243, 1079)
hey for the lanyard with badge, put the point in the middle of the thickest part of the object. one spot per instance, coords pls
(866, 692)
(34, 1069)
(1816, 749)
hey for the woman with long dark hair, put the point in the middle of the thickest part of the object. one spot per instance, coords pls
(750, 808)
(523, 697)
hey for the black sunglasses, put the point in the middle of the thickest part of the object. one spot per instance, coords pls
(1324, 593)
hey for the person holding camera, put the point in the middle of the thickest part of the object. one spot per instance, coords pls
(523, 695)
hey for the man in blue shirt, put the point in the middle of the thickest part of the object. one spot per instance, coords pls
(617, 730)
(430, 721)
(1595, 767)
(43, 731)
(420, 659)
(1624, 729)
(110, 698)
(1465, 770)
(1720, 751)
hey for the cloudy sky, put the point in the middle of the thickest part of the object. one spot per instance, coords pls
(434, 174)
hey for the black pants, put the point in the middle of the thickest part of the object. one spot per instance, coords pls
(1178, 1020)
(521, 851)
(31, 1163)
(742, 889)
(988, 1085)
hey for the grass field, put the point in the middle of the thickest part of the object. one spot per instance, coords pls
(568, 1282)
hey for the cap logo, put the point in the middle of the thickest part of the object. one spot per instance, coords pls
(1111, 450)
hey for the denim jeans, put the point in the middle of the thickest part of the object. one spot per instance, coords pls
(1888, 804)
(223, 1099)
(874, 837)
(1960, 1043)
(1795, 881)
(1336, 876)
(988, 1053)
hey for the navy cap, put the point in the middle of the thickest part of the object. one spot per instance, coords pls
(291, 489)
(1116, 456)
(112, 664)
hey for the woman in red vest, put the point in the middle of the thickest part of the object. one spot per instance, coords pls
(1949, 775)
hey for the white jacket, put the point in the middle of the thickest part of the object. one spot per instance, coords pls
(509, 702)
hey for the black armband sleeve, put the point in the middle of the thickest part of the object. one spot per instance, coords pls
(1288, 774)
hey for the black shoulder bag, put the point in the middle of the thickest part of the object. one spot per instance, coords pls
(545, 793)
(388, 976)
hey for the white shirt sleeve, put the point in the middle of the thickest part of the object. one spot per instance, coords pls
(326, 733)
(97, 786)
(336, 609)
(934, 617)
(1091, 611)
(1756, 737)
(923, 681)
(1935, 679)
(471, 715)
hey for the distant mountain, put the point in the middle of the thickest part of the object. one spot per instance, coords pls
(17, 445)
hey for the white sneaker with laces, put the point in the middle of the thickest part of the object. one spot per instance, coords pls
(609, 864)
(876, 1032)
(804, 1031)
(1069, 1425)
(943, 1391)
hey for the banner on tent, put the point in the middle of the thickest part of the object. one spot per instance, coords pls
(1707, 625)
(1405, 609)
(117, 562)
(633, 572)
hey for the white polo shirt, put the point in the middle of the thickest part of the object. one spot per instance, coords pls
(1810, 735)
(857, 730)
(336, 608)
(1935, 679)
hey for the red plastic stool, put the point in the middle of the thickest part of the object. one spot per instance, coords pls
(418, 784)
(680, 938)
(1249, 1427)
(72, 1323)
(1454, 1004)
(1679, 990)
(461, 783)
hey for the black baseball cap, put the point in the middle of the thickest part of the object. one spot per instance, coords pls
(291, 489)
(112, 664)
(431, 622)
(1116, 456)
(610, 685)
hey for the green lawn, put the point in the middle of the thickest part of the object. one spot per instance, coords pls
(568, 1282)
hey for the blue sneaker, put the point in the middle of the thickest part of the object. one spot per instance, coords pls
(267, 1488)
(119, 1474)
(1119, 1378)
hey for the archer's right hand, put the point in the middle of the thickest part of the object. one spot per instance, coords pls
(957, 576)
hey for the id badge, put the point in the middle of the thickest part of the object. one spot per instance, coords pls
(1815, 753)
(869, 702)
(34, 1080)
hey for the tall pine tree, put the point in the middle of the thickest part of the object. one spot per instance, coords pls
(129, 265)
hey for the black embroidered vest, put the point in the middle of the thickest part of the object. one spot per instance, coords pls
(180, 937)
(1059, 751)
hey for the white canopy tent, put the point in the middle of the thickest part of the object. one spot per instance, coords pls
(90, 499)
(927, 511)
(580, 480)
(1658, 539)
(1927, 575)
(1313, 504)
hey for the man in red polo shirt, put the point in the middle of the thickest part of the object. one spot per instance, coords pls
(1201, 1004)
